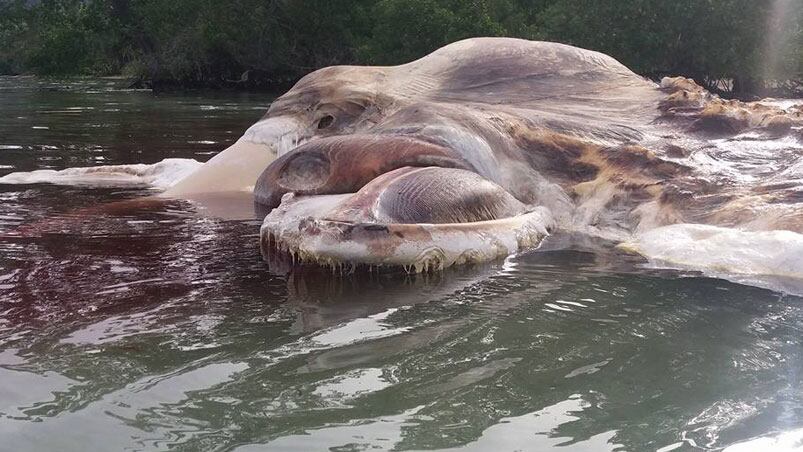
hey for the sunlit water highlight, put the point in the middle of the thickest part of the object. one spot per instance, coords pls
(159, 326)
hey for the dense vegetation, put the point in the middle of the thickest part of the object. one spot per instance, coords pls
(743, 46)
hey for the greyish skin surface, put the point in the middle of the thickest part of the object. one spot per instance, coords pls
(479, 149)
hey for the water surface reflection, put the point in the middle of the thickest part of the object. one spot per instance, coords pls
(158, 326)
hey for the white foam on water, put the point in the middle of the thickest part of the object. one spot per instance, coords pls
(791, 441)
(723, 252)
(159, 175)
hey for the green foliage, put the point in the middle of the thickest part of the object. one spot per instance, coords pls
(729, 44)
(67, 34)
(14, 28)
(705, 39)
(405, 30)
(207, 40)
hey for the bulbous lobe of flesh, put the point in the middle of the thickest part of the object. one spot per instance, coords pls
(428, 195)
(344, 164)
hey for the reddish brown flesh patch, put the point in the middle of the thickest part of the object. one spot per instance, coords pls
(344, 164)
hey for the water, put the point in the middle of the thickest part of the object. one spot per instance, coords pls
(159, 327)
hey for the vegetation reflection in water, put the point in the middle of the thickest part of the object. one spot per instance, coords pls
(162, 328)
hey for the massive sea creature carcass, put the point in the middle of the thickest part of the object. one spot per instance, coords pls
(481, 148)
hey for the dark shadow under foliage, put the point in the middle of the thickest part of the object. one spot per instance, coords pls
(735, 47)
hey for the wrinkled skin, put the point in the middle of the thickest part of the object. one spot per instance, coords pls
(479, 149)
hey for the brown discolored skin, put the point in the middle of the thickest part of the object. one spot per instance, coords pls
(344, 164)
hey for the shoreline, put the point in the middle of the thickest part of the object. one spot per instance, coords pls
(124, 82)
(277, 87)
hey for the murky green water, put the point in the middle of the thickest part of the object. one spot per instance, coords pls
(161, 328)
